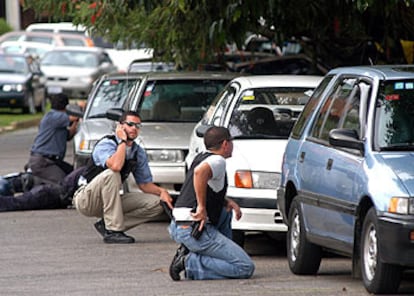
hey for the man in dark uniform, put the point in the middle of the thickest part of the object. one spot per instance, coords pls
(49, 148)
(202, 218)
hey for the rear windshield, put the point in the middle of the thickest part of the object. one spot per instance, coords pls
(180, 101)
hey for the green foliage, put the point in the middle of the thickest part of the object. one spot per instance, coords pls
(194, 32)
(4, 26)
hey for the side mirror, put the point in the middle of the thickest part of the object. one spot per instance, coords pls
(201, 130)
(74, 110)
(346, 138)
(114, 114)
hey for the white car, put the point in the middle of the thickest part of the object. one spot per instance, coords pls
(260, 112)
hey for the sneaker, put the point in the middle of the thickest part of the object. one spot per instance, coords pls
(100, 227)
(117, 237)
(178, 262)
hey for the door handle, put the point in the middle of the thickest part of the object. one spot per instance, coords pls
(329, 164)
(302, 157)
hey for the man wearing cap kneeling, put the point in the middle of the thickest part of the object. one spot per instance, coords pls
(202, 218)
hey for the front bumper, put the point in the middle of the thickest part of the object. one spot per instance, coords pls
(72, 90)
(394, 239)
(12, 99)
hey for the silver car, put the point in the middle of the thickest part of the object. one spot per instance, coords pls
(170, 105)
(73, 70)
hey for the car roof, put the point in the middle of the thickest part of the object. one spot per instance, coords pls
(378, 71)
(258, 81)
(122, 75)
(191, 75)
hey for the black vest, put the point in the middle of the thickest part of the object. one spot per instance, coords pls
(187, 197)
(92, 170)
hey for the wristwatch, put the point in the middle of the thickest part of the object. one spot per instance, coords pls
(122, 141)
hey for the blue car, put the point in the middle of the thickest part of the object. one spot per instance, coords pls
(347, 183)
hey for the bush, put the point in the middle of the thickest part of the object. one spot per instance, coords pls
(4, 26)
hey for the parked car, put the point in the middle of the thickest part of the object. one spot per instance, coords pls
(22, 85)
(54, 39)
(36, 49)
(299, 64)
(347, 175)
(260, 112)
(110, 91)
(170, 105)
(72, 70)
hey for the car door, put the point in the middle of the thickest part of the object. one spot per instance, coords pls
(328, 173)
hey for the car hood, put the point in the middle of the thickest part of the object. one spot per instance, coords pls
(401, 165)
(67, 71)
(164, 135)
(12, 78)
(258, 155)
(96, 128)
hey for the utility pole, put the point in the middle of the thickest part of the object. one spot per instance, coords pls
(13, 14)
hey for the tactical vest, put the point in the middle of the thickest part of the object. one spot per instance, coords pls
(92, 170)
(215, 200)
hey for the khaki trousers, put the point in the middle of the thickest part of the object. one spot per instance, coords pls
(101, 198)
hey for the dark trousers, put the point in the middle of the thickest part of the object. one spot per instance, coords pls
(45, 196)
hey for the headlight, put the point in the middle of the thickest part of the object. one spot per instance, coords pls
(13, 87)
(165, 155)
(86, 146)
(401, 205)
(258, 180)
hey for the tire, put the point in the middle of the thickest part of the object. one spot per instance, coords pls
(303, 256)
(238, 237)
(378, 277)
(29, 107)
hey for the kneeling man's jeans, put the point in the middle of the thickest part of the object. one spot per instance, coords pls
(214, 255)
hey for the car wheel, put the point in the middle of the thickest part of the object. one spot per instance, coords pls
(303, 256)
(29, 104)
(378, 277)
(238, 237)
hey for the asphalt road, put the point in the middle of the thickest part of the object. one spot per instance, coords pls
(59, 252)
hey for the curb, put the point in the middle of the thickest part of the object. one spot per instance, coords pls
(20, 124)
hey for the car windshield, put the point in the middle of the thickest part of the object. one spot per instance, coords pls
(13, 64)
(80, 59)
(267, 112)
(394, 115)
(111, 93)
(180, 101)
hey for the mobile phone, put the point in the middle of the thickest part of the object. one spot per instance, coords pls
(195, 232)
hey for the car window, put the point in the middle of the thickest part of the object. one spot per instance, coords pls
(178, 100)
(70, 58)
(269, 112)
(40, 39)
(394, 116)
(72, 42)
(310, 107)
(111, 93)
(333, 108)
(13, 64)
(217, 108)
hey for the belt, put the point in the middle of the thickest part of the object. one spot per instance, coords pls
(49, 156)
(181, 223)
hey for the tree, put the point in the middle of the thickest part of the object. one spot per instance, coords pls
(195, 32)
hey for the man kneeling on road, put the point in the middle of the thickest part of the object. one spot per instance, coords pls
(202, 218)
(113, 158)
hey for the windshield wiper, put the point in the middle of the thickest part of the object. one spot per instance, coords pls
(98, 115)
(398, 147)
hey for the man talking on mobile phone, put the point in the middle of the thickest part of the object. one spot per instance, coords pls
(202, 218)
(113, 158)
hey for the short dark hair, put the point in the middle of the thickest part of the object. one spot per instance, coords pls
(128, 113)
(215, 135)
(59, 101)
